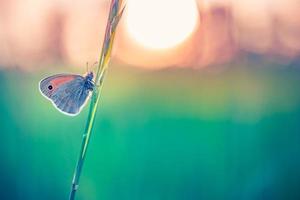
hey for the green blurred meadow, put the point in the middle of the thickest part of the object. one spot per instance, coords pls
(175, 134)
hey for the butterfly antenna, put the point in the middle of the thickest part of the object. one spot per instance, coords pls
(95, 64)
(87, 67)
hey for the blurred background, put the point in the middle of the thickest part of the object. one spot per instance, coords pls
(201, 100)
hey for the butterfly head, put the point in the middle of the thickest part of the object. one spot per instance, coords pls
(90, 76)
(89, 83)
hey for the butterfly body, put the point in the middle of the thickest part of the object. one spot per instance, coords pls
(67, 92)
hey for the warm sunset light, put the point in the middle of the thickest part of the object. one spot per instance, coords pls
(158, 24)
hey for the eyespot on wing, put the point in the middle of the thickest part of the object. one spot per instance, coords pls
(50, 84)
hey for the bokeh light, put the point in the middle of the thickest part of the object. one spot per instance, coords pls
(153, 34)
(160, 24)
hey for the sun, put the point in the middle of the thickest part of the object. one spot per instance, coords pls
(161, 24)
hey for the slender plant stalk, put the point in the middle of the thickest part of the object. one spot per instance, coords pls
(115, 15)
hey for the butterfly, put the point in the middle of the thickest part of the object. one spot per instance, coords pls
(68, 92)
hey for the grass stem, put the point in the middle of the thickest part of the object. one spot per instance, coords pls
(115, 15)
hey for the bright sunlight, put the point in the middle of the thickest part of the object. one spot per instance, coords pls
(161, 24)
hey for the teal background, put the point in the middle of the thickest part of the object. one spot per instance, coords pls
(175, 134)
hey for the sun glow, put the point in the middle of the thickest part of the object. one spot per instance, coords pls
(161, 24)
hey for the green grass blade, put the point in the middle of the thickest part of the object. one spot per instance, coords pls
(114, 16)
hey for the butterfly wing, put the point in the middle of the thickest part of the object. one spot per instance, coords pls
(66, 91)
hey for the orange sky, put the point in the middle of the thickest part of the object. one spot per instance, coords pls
(36, 33)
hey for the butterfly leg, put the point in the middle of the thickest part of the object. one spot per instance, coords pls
(96, 85)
